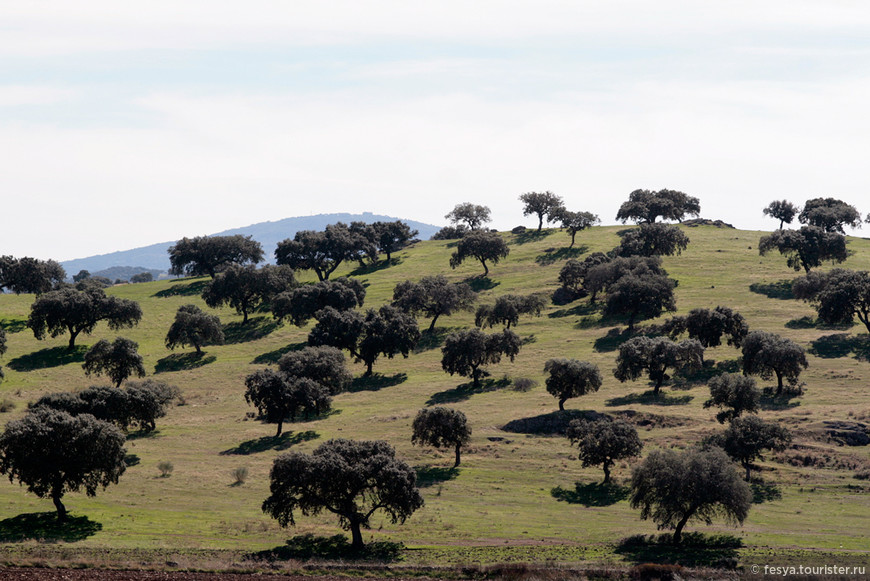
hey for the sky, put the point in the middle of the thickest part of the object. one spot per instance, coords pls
(125, 124)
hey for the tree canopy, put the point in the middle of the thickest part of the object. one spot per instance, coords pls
(735, 394)
(433, 296)
(653, 240)
(709, 326)
(279, 396)
(645, 206)
(604, 441)
(351, 479)
(52, 452)
(72, 311)
(640, 297)
(655, 355)
(213, 254)
(391, 237)
(672, 488)
(194, 327)
(747, 437)
(574, 222)
(466, 352)
(544, 204)
(119, 360)
(571, 378)
(484, 246)
(244, 288)
(441, 427)
(471, 215)
(768, 354)
(838, 295)
(829, 214)
(781, 210)
(507, 310)
(805, 248)
(301, 304)
(30, 275)
(321, 252)
(323, 364)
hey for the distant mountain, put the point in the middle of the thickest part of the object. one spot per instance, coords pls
(269, 234)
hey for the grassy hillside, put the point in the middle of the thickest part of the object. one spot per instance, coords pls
(516, 495)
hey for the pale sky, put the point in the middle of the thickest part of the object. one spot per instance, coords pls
(124, 124)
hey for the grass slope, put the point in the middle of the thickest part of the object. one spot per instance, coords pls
(516, 495)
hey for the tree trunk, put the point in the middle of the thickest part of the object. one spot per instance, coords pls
(280, 426)
(388, 257)
(72, 340)
(606, 467)
(244, 315)
(778, 383)
(457, 455)
(573, 234)
(747, 466)
(562, 403)
(56, 495)
(678, 532)
(368, 372)
(540, 222)
(198, 348)
(485, 268)
(356, 534)
(657, 388)
(475, 378)
(432, 325)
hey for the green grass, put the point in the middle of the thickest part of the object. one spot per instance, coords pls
(516, 496)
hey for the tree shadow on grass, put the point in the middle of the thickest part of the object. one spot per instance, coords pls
(13, 325)
(841, 345)
(583, 309)
(530, 235)
(592, 494)
(282, 442)
(552, 255)
(255, 328)
(46, 358)
(466, 390)
(433, 340)
(780, 289)
(807, 322)
(430, 475)
(183, 361)
(376, 382)
(335, 548)
(183, 289)
(772, 402)
(379, 265)
(274, 356)
(763, 492)
(480, 283)
(44, 526)
(551, 424)
(689, 378)
(142, 434)
(695, 550)
(649, 398)
(612, 341)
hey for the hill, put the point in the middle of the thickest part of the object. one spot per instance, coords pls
(520, 493)
(269, 234)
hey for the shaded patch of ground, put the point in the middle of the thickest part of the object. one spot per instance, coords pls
(183, 289)
(612, 341)
(466, 390)
(182, 361)
(51, 357)
(780, 289)
(529, 235)
(649, 398)
(376, 381)
(44, 526)
(274, 356)
(842, 345)
(583, 309)
(553, 423)
(764, 492)
(591, 494)
(696, 550)
(255, 328)
(379, 265)
(552, 255)
(336, 547)
(480, 283)
(431, 340)
(770, 401)
(282, 442)
(13, 325)
(429, 475)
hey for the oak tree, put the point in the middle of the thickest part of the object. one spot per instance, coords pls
(604, 441)
(571, 378)
(781, 210)
(194, 327)
(768, 354)
(805, 248)
(473, 216)
(118, 359)
(210, 255)
(654, 356)
(645, 206)
(433, 296)
(482, 245)
(735, 394)
(441, 427)
(544, 204)
(466, 352)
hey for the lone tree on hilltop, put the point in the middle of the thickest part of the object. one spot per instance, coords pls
(52, 453)
(278, 396)
(118, 359)
(433, 296)
(838, 295)
(805, 248)
(472, 215)
(645, 206)
(194, 327)
(604, 441)
(747, 437)
(301, 303)
(574, 222)
(244, 288)
(655, 355)
(72, 311)
(768, 354)
(213, 254)
(781, 210)
(30, 275)
(466, 352)
(672, 488)
(484, 246)
(544, 204)
(321, 252)
(571, 378)
(507, 310)
(441, 427)
(829, 214)
(351, 479)
(653, 240)
(735, 394)
(324, 364)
